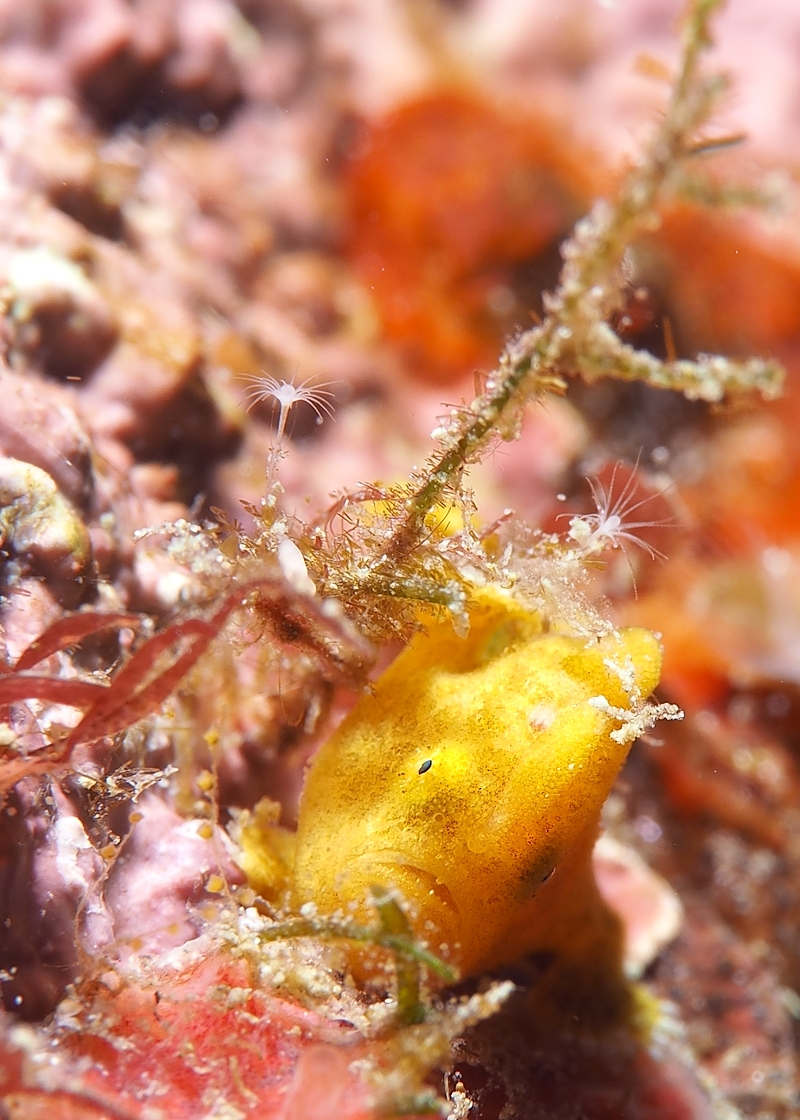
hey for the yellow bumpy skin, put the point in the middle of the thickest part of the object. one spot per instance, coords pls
(472, 779)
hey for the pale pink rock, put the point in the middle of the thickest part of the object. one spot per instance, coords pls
(52, 903)
(650, 910)
(39, 423)
(162, 872)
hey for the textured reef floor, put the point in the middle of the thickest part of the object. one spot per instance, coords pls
(306, 734)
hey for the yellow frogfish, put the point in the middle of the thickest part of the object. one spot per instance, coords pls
(471, 780)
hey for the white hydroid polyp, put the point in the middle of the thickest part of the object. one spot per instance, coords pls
(612, 526)
(286, 394)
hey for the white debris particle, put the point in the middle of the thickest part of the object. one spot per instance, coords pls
(294, 567)
(71, 839)
(541, 717)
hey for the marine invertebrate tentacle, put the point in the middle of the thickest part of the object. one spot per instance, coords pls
(286, 394)
(611, 525)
